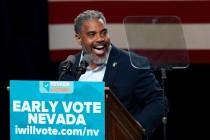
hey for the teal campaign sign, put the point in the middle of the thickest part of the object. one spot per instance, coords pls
(52, 110)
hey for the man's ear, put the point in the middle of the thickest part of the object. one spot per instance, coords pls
(78, 38)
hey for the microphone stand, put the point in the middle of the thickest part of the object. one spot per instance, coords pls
(65, 68)
(61, 75)
(164, 118)
(81, 69)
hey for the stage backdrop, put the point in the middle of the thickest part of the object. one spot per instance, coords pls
(194, 16)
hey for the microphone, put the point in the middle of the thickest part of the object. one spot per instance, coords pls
(81, 69)
(66, 65)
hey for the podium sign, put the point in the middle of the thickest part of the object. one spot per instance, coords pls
(52, 110)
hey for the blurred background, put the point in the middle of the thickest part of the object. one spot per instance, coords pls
(38, 34)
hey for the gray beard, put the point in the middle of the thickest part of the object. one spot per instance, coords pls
(93, 59)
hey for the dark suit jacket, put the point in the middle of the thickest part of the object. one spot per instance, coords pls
(137, 89)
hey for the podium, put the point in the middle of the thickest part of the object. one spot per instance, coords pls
(120, 125)
(43, 116)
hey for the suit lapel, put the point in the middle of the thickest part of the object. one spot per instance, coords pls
(112, 67)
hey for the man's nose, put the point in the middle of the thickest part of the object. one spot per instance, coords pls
(99, 38)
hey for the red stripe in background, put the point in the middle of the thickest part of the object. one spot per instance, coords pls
(115, 11)
(195, 56)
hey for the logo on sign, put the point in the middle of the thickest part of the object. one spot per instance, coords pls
(56, 87)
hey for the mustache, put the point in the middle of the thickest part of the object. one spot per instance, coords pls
(100, 44)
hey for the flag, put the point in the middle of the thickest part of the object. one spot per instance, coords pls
(194, 15)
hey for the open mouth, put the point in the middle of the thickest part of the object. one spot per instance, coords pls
(100, 47)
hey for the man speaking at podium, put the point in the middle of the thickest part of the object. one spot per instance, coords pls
(100, 60)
